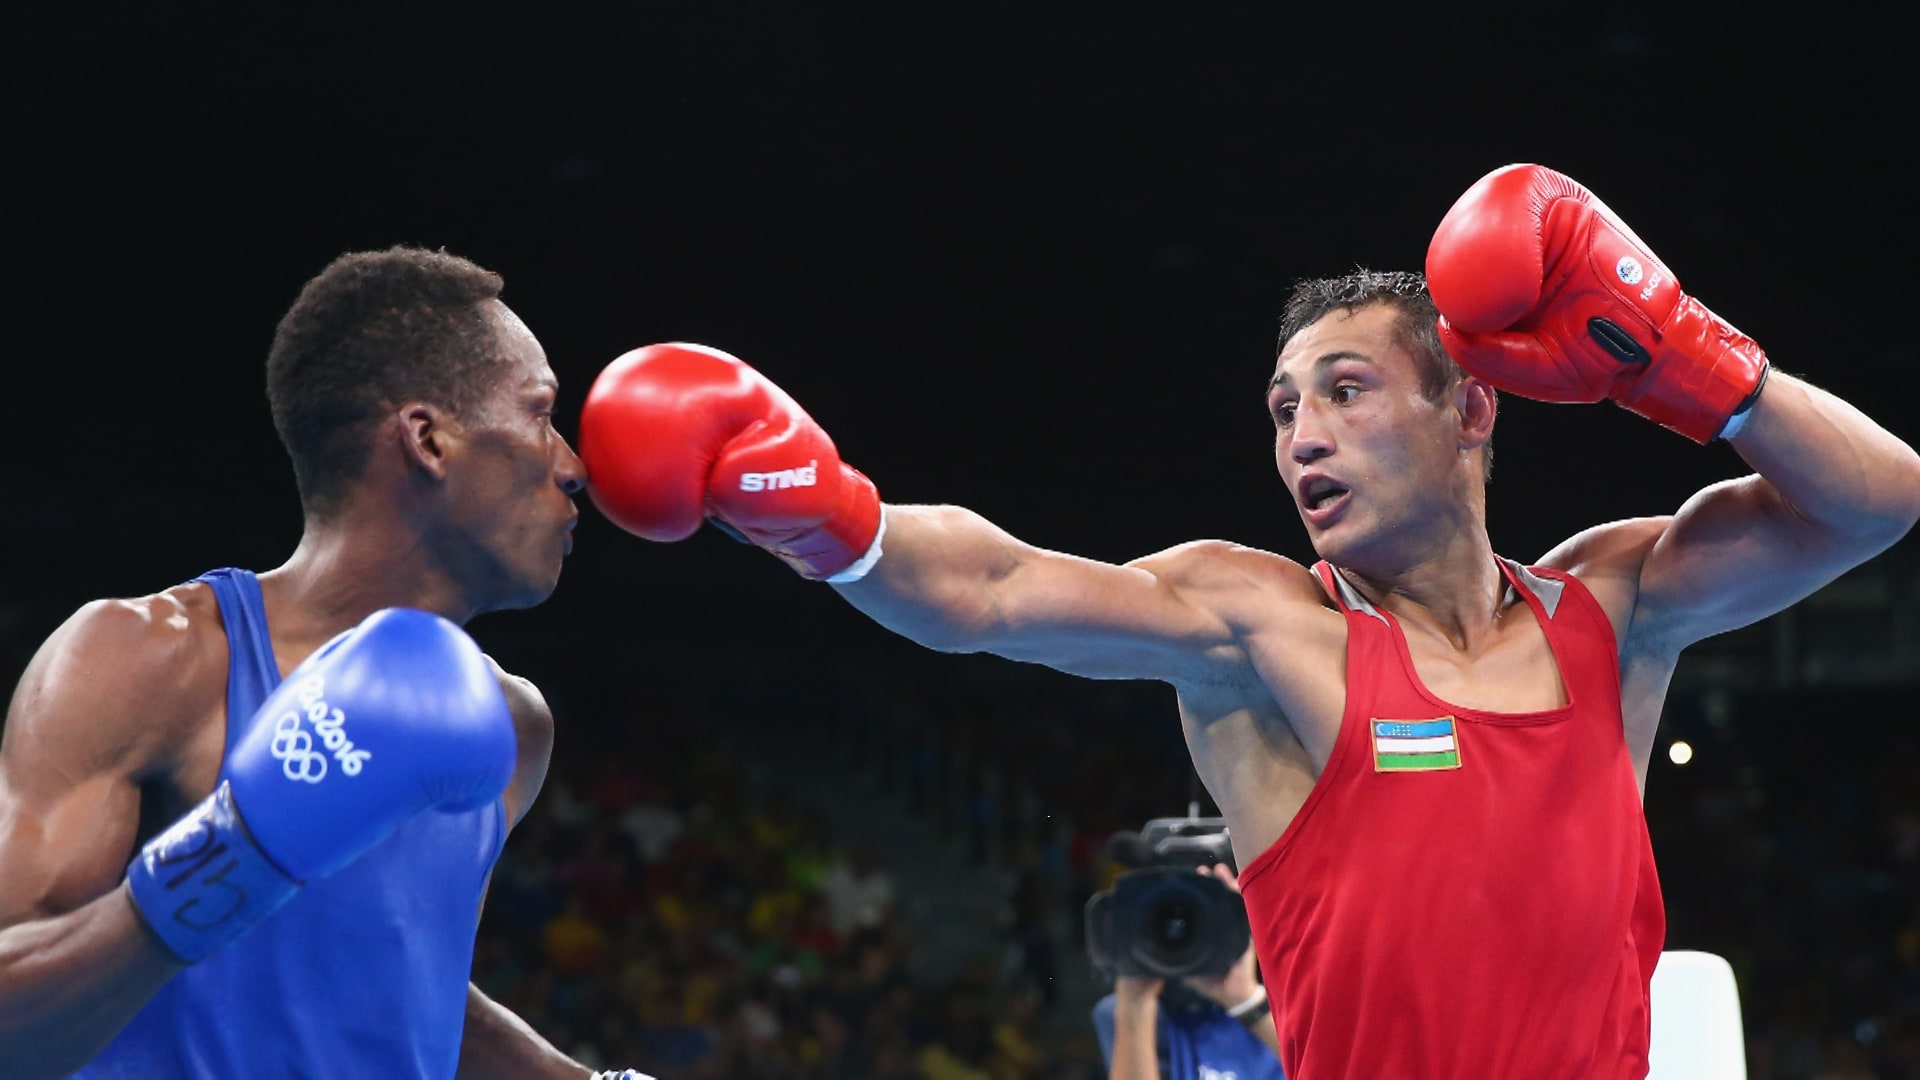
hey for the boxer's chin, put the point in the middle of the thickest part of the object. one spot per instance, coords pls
(1339, 539)
(531, 590)
(543, 589)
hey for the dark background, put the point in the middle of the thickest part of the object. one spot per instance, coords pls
(1026, 259)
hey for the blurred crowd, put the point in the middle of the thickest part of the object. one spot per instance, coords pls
(691, 921)
(1790, 844)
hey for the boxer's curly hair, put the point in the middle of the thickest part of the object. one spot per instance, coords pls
(372, 330)
(1417, 330)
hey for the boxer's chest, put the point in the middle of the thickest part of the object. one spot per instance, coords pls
(1511, 670)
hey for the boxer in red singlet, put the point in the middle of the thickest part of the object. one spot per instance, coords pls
(1431, 758)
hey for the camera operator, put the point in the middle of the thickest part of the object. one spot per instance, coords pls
(1193, 1027)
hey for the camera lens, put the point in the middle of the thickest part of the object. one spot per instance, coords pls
(1170, 922)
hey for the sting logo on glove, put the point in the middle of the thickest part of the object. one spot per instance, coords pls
(780, 479)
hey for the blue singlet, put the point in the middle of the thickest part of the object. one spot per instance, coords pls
(362, 974)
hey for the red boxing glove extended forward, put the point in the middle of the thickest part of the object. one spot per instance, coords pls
(1543, 291)
(673, 434)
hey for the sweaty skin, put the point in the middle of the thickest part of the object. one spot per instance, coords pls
(1256, 651)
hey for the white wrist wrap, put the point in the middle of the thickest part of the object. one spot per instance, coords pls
(859, 569)
(1258, 999)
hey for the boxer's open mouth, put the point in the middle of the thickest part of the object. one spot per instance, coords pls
(1318, 491)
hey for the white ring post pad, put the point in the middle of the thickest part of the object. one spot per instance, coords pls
(1696, 1019)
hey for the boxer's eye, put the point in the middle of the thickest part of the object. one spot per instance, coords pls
(1283, 414)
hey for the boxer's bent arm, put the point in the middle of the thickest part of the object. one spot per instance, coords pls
(1832, 490)
(497, 1045)
(495, 1042)
(69, 984)
(953, 581)
(76, 959)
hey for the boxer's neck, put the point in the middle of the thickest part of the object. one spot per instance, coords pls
(353, 563)
(1453, 590)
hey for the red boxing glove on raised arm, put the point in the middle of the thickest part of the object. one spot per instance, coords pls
(1543, 291)
(674, 434)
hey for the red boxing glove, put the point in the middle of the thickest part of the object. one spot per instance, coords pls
(1544, 292)
(673, 434)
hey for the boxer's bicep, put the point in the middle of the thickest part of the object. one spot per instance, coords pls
(1831, 489)
(69, 803)
(60, 851)
(1155, 617)
(1735, 553)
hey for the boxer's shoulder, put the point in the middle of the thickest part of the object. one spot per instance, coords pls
(1247, 586)
(1615, 549)
(528, 704)
(533, 730)
(129, 680)
(1607, 559)
(1221, 563)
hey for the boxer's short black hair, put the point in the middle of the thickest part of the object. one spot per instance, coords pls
(372, 330)
(1417, 330)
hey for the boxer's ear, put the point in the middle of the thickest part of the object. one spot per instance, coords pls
(427, 435)
(1477, 405)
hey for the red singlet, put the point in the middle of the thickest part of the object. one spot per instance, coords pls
(1465, 894)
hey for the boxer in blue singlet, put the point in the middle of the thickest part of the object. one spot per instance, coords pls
(259, 941)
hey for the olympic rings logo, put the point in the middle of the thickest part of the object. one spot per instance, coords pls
(293, 746)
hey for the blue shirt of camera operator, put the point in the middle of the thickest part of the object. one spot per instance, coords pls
(1199, 1044)
(1200, 1029)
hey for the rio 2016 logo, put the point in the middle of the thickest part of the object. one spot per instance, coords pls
(294, 747)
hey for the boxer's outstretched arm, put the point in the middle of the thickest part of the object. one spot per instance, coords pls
(1831, 489)
(953, 581)
(675, 434)
(77, 961)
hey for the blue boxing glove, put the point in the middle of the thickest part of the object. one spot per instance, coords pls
(398, 715)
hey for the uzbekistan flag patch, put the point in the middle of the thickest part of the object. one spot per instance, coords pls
(1415, 745)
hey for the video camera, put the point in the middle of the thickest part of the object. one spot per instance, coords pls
(1161, 919)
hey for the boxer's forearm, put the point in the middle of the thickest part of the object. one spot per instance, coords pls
(69, 984)
(497, 1045)
(936, 583)
(1837, 468)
